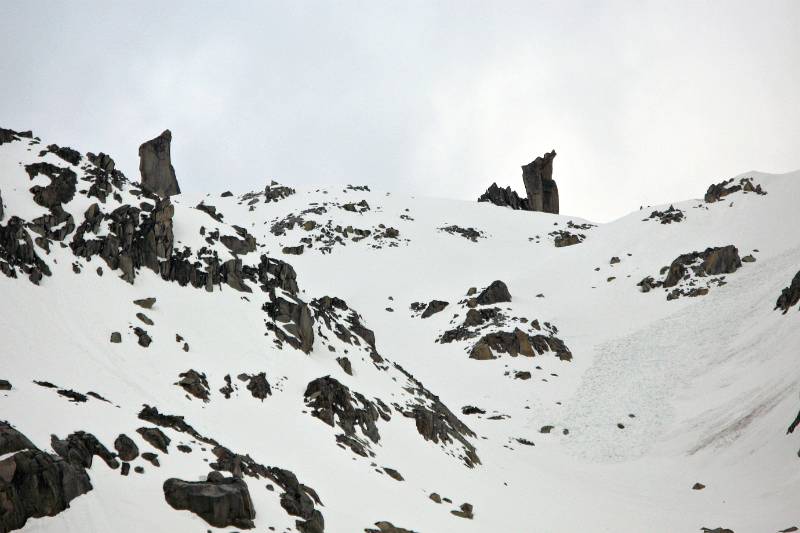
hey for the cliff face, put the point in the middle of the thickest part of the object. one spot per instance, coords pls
(539, 184)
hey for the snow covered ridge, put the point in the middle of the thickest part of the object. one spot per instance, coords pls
(343, 359)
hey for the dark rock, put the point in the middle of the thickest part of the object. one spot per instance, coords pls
(34, 484)
(748, 259)
(144, 338)
(226, 194)
(259, 386)
(668, 216)
(80, 447)
(155, 166)
(151, 457)
(394, 474)
(155, 437)
(144, 318)
(468, 233)
(465, 511)
(614, 260)
(294, 250)
(298, 322)
(434, 306)
(66, 153)
(125, 470)
(61, 188)
(138, 469)
(334, 403)
(241, 245)
(472, 410)
(698, 486)
(195, 384)
(718, 191)
(184, 448)
(17, 252)
(789, 295)
(716, 530)
(504, 198)
(481, 352)
(565, 238)
(713, 261)
(126, 448)
(220, 502)
(5, 385)
(102, 161)
(73, 396)
(147, 303)
(387, 527)
(435, 497)
(541, 189)
(495, 293)
(344, 362)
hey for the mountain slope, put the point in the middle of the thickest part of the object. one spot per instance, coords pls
(624, 400)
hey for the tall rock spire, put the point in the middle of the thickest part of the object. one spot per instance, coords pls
(158, 175)
(539, 184)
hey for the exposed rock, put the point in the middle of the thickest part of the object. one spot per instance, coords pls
(504, 198)
(562, 238)
(294, 250)
(481, 352)
(5, 385)
(17, 252)
(748, 259)
(61, 188)
(518, 342)
(155, 437)
(220, 501)
(245, 244)
(155, 166)
(541, 189)
(434, 306)
(334, 403)
(151, 457)
(394, 474)
(472, 410)
(721, 260)
(668, 216)
(495, 293)
(66, 153)
(387, 527)
(102, 161)
(195, 384)
(144, 338)
(435, 497)
(789, 295)
(344, 362)
(259, 386)
(698, 486)
(719, 191)
(147, 303)
(297, 323)
(144, 318)
(465, 511)
(34, 484)
(471, 234)
(80, 447)
(126, 448)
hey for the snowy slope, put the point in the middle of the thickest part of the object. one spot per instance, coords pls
(704, 387)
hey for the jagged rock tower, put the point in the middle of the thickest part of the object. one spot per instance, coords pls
(158, 175)
(539, 184)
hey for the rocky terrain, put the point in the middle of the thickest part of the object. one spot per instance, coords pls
(345, 359)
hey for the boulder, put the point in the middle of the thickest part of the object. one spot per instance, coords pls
(434, 307)
(155, 166)
(126, 448)
(494, 293)
(220, 501)
(155, 437)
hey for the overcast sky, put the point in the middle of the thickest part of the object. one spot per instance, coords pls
(645, 102)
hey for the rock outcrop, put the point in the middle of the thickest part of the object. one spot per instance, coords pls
(539, 184)
(220, 501)
(541, 189)
(155, 166)
(504, 197)
(34, 484)
(789, 295)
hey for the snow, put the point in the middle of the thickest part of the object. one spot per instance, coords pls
(712, 381)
